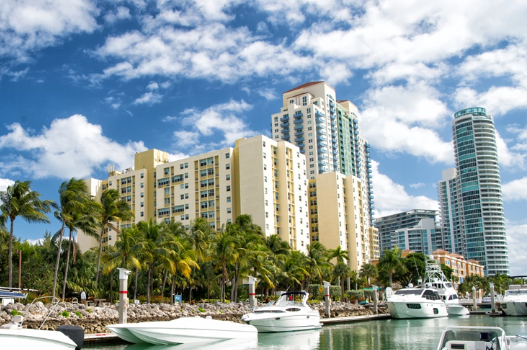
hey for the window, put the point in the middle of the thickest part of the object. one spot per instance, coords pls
(142, 194)
(181, 166)
(228, 210)
(167, 200)
(142, 214)
(228, 199)
(264, 155)
(227, 155)
(142, 175)
(266, 214)
(142, 204)
(228, 188)
(167, 171)
(182, 196)
(265, 178)
(227, 166)
(186, 175)
(110, 183)
(142, 185)
(264, 143)
(167, 190)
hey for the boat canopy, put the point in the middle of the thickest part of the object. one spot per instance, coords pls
(4, 294)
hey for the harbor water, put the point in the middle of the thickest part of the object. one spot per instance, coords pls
(422, 334)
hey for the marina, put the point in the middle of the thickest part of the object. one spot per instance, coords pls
(391, 334)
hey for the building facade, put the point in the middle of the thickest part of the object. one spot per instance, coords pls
(472, 209)
(420, 238)
(327, 131)
(260, 177)
(461, 267)
(337, 217)
(388, 225)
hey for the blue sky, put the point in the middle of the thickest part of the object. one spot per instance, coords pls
(85, 84)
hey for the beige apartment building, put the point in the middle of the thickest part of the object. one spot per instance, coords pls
(337, 217)
(260, 177)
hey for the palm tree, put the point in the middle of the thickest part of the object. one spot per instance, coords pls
(18, 200)
(113, 209)
(126, 253)
(338, 253)
(341, 271)
(292, 270)
(368, 271)
(390, 261)
(223, 247)
(316, 260)
(74, 198)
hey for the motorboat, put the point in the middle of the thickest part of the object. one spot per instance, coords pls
(184, 330)
(14, 336)
(476, 338)
(435, 278)
(231, 344)
(514, 302)
(290, 313)
(416, 303)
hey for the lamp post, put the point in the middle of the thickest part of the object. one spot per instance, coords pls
(123, 293)
(20, 269)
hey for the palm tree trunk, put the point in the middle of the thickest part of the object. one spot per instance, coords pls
(172, 289)
(164, 282)
(135, 289)
(148, 283)
(58, 259)
(66, 270)
(208, 283)
(99, 257)
(190, 293)
(390, 279)
(111, 287)
(342, 289)
(10, 258)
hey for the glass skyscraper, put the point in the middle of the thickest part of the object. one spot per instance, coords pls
(470, 195)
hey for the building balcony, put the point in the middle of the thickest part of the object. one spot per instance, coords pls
(285, 131)
(321, 138)
(299, 127)
(284, 119)
(298, 121)
(285, 138)
(298, 114)
(322, 150)
(331, 103)
(299, 133)
(335, 152)
(319, 114)
(301, 144)
(323, 156)
(320, 120)
(299, 139)
(284, 125)
(301, 149)
(322, 144)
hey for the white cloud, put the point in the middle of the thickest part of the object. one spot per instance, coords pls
(177, 156)
(498, 100)
(402, 119)
(153, 86)
(225, 118)
(148, 98)
(515, 190)
(417, 185)
(391, 197)
(120, 13)
(29, 25)
(4, 183)
(70, 147)
(267, 93)
(516, 238)
(39, 241)
(507, 157)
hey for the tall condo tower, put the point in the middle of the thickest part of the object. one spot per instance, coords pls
(327, 131)
(470, 197)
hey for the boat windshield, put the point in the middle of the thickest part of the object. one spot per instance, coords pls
(409, 292)
(460, 337)
(291, 299)
(516, 292)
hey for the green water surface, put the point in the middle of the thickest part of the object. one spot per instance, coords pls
(384, 334)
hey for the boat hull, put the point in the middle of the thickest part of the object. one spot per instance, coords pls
(185, 330)
(401, 309)
(271, 323)
(514, 308)
(457, 310)
(35, 339)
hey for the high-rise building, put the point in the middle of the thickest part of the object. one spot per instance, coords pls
(335, 207)
(471, 199)
(421, 238)
(260, 177)
(388, 225)
(327, 131)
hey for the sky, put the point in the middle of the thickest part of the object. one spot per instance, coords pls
(86, 84)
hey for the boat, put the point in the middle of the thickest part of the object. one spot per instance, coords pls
(416, 303)
(184, 330)
(13, 336)
(476, 338)
(289, 313)
(514, 302)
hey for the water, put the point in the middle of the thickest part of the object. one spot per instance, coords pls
(384, 334)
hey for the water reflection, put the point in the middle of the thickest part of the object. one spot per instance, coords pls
(386, 335)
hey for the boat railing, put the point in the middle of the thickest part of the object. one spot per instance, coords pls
(54, 301)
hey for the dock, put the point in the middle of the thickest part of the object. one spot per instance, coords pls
(352, 319)
(101, 338)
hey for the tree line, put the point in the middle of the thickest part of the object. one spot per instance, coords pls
(167, 258)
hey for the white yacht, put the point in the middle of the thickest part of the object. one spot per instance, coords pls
(436, 279)
(515, 301)
(13, 336)
(416, 303)
(490, 338)
(184, 330)
(289, 313)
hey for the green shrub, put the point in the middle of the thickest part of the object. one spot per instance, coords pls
(79, 315)
(15, 313)
(65, 314)
(201, 310)
(88, 311)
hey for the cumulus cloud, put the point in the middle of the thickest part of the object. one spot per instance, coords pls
(508, 157)
(148, 98)
(403, 119)
(70, 147)
(267, 93)
(417, 185)
(516, 238)
(120, 13)
(225, 118)
(515, 190)
(29, 25)
(4, 183)
(153, 86)
(391, 197)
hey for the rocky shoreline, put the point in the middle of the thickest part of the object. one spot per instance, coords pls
(95, 319)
